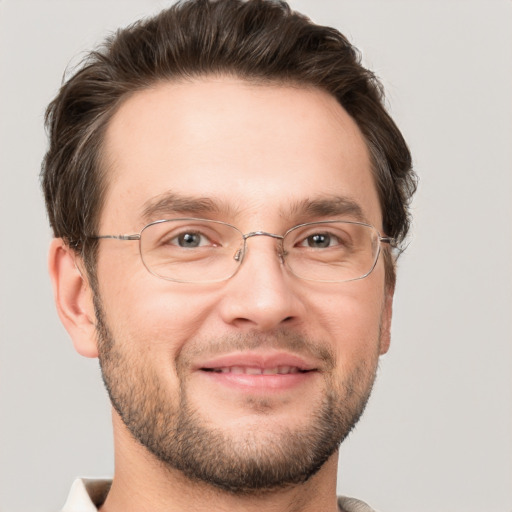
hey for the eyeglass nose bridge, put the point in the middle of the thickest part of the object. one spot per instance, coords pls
(239, 255)
(262, 233)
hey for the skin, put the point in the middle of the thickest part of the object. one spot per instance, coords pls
(254, 150)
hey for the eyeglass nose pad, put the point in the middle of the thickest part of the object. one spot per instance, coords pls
(239, 255)
(281, 253)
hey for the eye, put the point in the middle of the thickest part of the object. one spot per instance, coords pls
(320, 241)
(190, 240)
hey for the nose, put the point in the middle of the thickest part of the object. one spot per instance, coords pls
(262, 295)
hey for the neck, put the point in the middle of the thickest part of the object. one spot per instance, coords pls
(142, 483)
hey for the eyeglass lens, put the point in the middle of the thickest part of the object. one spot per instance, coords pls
(197, 250)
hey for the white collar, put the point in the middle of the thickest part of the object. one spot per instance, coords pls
(86, 495)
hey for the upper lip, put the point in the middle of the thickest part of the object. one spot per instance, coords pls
(261, 360)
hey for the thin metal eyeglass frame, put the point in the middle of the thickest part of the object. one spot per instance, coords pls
(240, 254)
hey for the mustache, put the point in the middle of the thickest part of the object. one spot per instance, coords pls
(281, 339)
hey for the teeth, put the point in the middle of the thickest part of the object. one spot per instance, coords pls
(253, 371)
(249, 370)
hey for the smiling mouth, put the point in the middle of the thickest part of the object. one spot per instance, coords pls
(250, 370)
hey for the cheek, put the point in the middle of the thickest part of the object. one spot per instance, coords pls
(351, 319)
(147, 312)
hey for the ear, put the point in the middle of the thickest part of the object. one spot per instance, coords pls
(73, 298)
(387, 313)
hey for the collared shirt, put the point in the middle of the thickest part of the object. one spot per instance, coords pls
(88, 495)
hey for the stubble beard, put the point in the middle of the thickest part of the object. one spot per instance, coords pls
(257, 460)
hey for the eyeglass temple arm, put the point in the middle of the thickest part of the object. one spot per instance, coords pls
(392, 242)
(118, 237)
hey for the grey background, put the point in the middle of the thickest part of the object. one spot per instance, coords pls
(437, 435)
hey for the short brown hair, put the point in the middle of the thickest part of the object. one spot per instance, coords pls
(256, 40)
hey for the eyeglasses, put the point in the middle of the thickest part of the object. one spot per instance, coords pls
(193, 250)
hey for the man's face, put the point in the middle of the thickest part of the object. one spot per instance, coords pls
(249, 383)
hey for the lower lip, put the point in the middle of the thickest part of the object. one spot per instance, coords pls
(259, 383)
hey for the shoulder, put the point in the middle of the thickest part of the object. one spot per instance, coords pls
(352, 505)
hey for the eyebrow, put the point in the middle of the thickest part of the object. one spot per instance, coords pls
(171, 204)
(338, 206)
(168, 204)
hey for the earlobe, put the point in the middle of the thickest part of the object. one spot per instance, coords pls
(73, 298)
(387, 313)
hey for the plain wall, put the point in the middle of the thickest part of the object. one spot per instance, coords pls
(437, 435)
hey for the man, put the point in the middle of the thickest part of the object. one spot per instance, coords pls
(226, 190)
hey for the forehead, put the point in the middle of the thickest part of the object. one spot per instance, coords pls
(252, 151)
